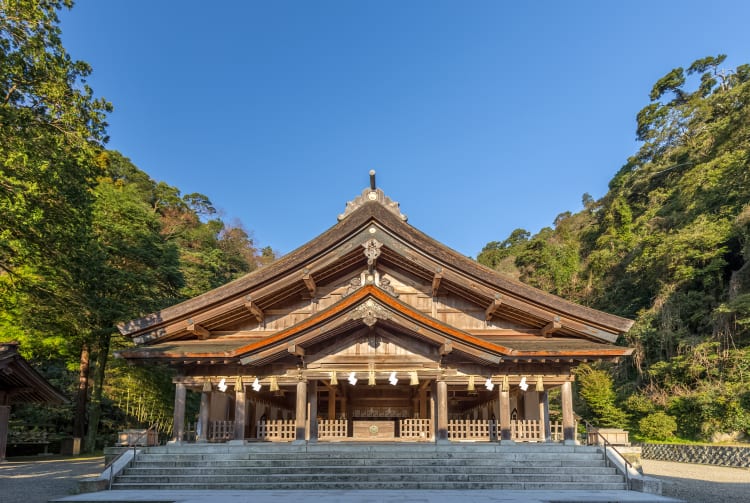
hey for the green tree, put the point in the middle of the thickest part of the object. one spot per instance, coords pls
(596, 388)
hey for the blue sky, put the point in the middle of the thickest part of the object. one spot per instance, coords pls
(479, 117)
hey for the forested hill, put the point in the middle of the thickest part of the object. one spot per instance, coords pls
(667, 246)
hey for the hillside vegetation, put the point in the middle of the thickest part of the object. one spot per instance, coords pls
(667, 246)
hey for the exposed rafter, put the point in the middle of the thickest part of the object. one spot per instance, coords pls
(198, 330)
(446, 348)
(493, 307)
(550, 328)
(436, 279)
(295, 349)
(254, 309)
(309, 282)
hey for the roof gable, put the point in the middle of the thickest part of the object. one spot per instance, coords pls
(341, 251)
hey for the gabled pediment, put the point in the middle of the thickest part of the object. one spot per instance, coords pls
(370, 309)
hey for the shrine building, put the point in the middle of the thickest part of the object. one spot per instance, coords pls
(375, 331)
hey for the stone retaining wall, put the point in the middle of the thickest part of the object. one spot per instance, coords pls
(701, 454)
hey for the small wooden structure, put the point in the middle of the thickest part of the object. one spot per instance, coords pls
(19, 382)
(375, 331)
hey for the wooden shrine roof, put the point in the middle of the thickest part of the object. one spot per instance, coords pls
(20, 382)
(405, 247)
(350, 314)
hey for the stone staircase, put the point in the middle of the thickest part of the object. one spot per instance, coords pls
(370, 466)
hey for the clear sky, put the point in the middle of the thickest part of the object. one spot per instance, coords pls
(479, 117)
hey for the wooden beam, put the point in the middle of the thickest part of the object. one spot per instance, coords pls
(295, 349)
(198, 330)
(254, 309)
(436, 279)
(551, 327)
(446, 348)
(309, 282)
(494, 306)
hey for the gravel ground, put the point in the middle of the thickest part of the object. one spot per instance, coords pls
(700, 483)
(37, 480)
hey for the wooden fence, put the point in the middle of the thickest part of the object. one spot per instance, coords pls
(415, 429)
(467, 429)
(328, 429)
(220, 431)
(279, 430)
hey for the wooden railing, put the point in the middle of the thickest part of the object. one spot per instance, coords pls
(467, 429)
(415, 429)
(220, 431)
(556, 431)
(279, 430)
(527, 430)
(336, 428)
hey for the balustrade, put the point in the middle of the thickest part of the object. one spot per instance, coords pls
(414, 429)
(279, 430)
(328, 429)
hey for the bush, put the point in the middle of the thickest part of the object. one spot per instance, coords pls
(658, 426)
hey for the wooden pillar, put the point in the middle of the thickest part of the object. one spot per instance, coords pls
(505, 433)
(240, 410)
(178, 430)
(300, 420)
(331, 404)
(203, 415)
(544, 415)
(569, 428)
(531, 406)
(423, 403)
(442, 411)
(433, 410)
(4, 419)
(312, 412)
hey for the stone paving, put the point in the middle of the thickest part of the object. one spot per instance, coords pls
(35, 480)
(39, 479)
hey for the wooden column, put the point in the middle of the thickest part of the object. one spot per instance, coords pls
(505, 433)
(422, 403)
(312, 412)
(531, 406)
(203, 415)
(300, 421)
(442, 411)
(433, 410)
(544, 415)
(569, 427)
(331, 404)
(4, 419)
(240, 410)
(178, 430)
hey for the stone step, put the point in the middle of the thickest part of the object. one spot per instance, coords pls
(329, 478)
(361, 466)
(348, 457)
(266, 470)
(555, 486)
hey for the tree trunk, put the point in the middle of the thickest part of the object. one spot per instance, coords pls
(95, 405)
(79, 420)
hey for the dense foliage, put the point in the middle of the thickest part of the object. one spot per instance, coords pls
(87, 239)
(668, 246)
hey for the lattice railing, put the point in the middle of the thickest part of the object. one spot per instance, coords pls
(220, 431)
(556, 431)
(279, 430)
(469, 429)
(527, 430)
(415, 429)
(332, 428)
